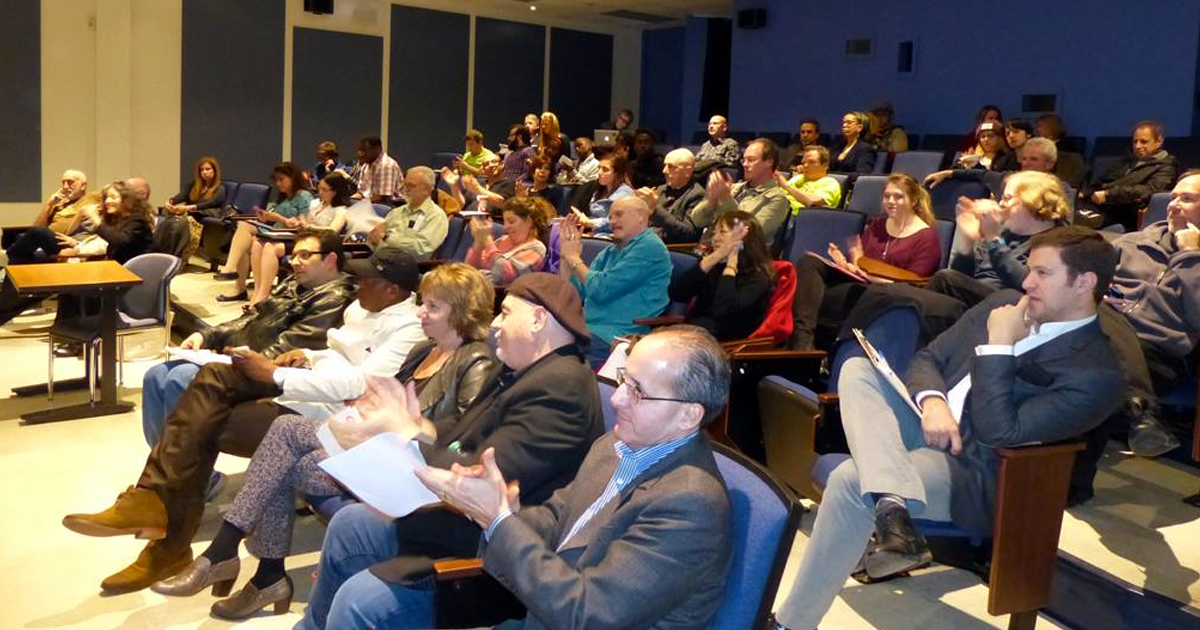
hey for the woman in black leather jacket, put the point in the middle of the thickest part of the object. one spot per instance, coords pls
(445, 373)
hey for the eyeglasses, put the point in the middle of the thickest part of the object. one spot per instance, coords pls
(304, 254)
(635, 393)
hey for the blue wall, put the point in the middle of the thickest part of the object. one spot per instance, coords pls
(232, 86)
(326, 68)
(662, 81)
(21, 101)
(427, 104)
(1112, 61)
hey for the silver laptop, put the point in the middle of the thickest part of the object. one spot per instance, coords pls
(604, 138)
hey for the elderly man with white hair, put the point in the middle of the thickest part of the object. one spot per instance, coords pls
(419, 226)
(626, 281)
(672, 203)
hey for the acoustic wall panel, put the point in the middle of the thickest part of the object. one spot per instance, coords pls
(337, 91)
(662, 81)
(427, 98)
(21, 101)
(509, 69)
(233, 58)
(580, 80)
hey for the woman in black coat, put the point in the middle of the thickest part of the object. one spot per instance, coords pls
(852, 153)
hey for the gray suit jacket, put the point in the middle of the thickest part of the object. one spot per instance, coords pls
(654, 557)
(1057, 391)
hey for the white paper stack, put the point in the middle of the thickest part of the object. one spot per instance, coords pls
(380, 472)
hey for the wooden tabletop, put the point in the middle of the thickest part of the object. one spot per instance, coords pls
(56, 277)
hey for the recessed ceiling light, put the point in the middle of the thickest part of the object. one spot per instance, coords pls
(532, 7)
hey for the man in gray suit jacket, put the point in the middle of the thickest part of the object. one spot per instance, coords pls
(1015, 370)
(641, 537)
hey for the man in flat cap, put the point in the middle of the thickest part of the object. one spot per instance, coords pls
(540, 411)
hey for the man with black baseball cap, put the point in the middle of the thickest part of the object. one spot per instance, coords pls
(540, 411)
(232, 404)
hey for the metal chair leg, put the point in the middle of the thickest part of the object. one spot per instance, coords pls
(50, 369)
(93, 350)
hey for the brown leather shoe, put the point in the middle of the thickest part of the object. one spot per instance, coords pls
(154, 563)
(250, 600)
(137, 511)
(198, 575)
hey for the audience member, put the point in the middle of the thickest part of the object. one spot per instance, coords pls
(539, 184)
(521, 250)
(612, 184)
(811, 187)
(166, 503)
(731, 287)
(885, 134)
(1036, 155)
(809, 136)
(990, 151)
(675, 201)
(1016, 133)
(758, 194)
(537, 419)
(646, 170)
(327, 160)
(533, 125)
(671, 523)
(471, 162)
(61, 209)
(380, 178)
(552, 141)
(486, 196)
(853, 153)
(1126, 188)
(622, 121)
(419, 226)
(446, 368)
(121, 230)
(1051, 127)
(178, 231)
(589, 167)
(718, 150)
(943, 464)
(987, 113)
(516, 161)
(990, 251)
(902, 236)
(628, 280)
(292, 199)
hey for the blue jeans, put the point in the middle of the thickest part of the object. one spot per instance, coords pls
(597, 352)
(347, 595)
(162, 387)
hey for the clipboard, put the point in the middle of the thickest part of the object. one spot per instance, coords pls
(881, 366)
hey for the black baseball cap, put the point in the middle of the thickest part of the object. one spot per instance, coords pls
(390, 263)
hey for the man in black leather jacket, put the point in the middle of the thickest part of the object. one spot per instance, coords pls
(1127, 187)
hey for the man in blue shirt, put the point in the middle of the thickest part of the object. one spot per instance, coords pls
(626, 281)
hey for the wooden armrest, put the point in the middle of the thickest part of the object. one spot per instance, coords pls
(686, 248)
(457, 569)
(828, 399)
(887, 271)
(754, 354)
(737, 346)
(1040, 450)
(242, 217)
(661, 320)
(67, 258)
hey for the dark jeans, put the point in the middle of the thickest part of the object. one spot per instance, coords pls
(180, 464)
(24, 250)
(824, 298)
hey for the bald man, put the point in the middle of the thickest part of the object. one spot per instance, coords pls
(61, 209)
(672, 203)
(720, 150)
(628, 280)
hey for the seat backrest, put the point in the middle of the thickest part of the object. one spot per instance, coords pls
(765, 515)
(918, 164)
(466, 240)
(592, 248)
(778, 137)
(149, 299)
(681, 263)
(945, 232)
(1157, 209)
(699, 137)
(779, 323)
(454, 233)
(881, 163)
(559, 196)
(249, 195)
(231, 188)
(842, 179)
(443, 158)
(867, 194)
(944, 196)
(1074, 144)
(1111, 145)
(813, 229)
(742, 137)
(607, 389)
(895, 334)
(382, 209)
(1071, 168)
(942, 142)
(1102, 164)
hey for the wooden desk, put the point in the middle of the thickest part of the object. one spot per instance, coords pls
(106, 279)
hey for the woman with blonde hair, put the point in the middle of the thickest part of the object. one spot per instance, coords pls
(902, 236)
(444, 374)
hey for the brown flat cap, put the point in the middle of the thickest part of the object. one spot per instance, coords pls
(557, 296)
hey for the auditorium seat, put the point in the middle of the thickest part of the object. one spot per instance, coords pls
(867, 194)
(918, 164)
(1102, 164)
(700, 137)
(813, 229)
(1186, 150)
(944, 196)
(1157, 209)
(742, 137)
(945, 231)
(443, 158)
(1076, 144)
(842, 180)
(1111, 145)
(1071, 168)
(881, 163)
(780, 138)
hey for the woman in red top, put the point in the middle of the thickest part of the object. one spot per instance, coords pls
(902, 236)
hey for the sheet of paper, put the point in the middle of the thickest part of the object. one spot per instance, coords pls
(881, 365)
(615, 360)
(199, 357)
(380, 472)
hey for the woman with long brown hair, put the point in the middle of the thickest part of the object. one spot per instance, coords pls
(178, 231)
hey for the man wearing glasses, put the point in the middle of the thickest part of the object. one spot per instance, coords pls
(419, 226)
(167, 502)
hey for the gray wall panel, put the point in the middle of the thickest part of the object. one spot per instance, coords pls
(21, 101)
(580, 80)
(427, 102)
(336, 91)
(509, 66)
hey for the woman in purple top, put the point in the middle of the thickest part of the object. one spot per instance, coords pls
(902, 236)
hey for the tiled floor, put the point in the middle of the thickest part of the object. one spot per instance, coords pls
(49, 577)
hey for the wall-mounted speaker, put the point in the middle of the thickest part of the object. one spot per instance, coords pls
(752, 18)
(319, 7)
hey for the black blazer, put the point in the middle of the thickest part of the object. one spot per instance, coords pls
(860, 159)
(1131, 183)
(1057, 391)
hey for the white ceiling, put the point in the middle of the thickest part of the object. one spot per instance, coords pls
(593, 10)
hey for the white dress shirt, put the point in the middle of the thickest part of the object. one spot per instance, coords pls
(374, 344)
